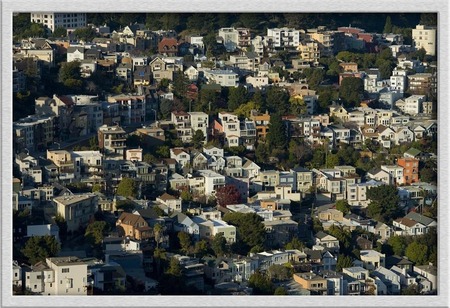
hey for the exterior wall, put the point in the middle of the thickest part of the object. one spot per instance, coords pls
(77, 210)
(63, 20)
(424, 37)
(70, 277)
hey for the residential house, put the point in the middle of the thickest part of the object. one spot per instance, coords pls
(327, 241)
(212, 181)
(182, 157)
(132, 108)
(133, 226)
(410, 170)
(312, 282)
(407, 226)
(357, 193)
(168, 46)
(77, 210)
(390, 278)
(183, 125)
(395, 173)
(224, 78)
(173, 203)
(429, 272)
(58, 276)
(372, 259)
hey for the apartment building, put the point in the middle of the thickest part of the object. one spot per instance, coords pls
(112, 139)
(200, 121)
(77, 209)
(234, 38)
(224, 78)
(357, 193)
(425, 37)
(309, 52)
(64, 164)
(284, 37)
(132, 108)
(52, 21)
(410, 169)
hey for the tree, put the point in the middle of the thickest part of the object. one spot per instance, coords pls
(383, 204)
(279, 272)
(343, 236)
(388, 25)
(277, 100)
(343, 206)
(180, 84)
(38, 248)
(300, 152)
(125, 205)
(280, 291)
(62, 225)
(86, 34)
(96, 231)
(236, 97)
(417, 253)
(298, 106)
(261, 153)
(174, 267)
(244, 110)
(185, 241)
(227, 195)
(261, 284)
(295, 243)
(69, 71)
(250, 230)
(398, 244)
(60, 32)
(201, 248)
(198, 138)
(343, 262)
(96, 188)
(149, 158)
(276, 137)
(127, 188)
(219, 245)
(158, 232)
(351, 91)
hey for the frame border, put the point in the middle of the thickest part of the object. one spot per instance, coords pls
(229, 6)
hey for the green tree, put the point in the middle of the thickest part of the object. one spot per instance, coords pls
(295, 243)
(125, 205)
(280, 291)
(417, 253)
(343, 236)
(201, 248)
(158, 231)
(185, 241)
(383, 204)
(398, 244)
(352, 91)
(277, 100)
(38, 248)
(236, 97)
(279, 272)
(388, 25)
(60, 32)
(276, 137)
(180, 84)
(219, 245)
(62, 225)
(343, 206)
(86, 34)
(127, 188)
(174, 267)
(244, 110)
(96, 188)
(198, 138)
(261, 153)
(343, 262)
(163, 151)
(96, 231)
(250, 230)
(69, 71)
(261, 284)
(149, 158)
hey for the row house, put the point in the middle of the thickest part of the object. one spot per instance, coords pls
(395, 174)
(309, 52)
(262, 121)
(357, 193)
(410, 170)
(248, 61)
(224, 78)
(422, 84)
(335, 181)
(64, 163)
(34, 132)
(31, 173)
(132, 108)
(186, 124)
(412, 105)
(235, 38)
(111, 140)
(284, 37)
(209, 228)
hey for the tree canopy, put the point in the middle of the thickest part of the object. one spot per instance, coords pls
(38, 248)
(227, 195)
(250, 230)
(384, 203)
(127, 188)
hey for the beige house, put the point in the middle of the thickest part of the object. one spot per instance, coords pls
(77, 210)
(311, 282)
(372, 259)
(331, 214)
(58, 276)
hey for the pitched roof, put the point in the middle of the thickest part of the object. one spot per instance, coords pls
(129, 219)
(166, 197)
(419, 218)
(413, 152)
(406, 222)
